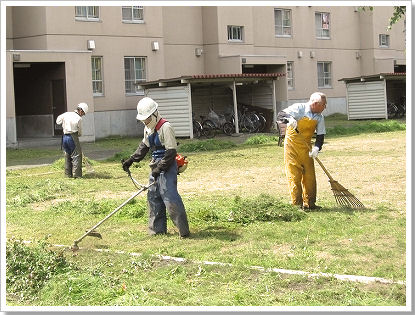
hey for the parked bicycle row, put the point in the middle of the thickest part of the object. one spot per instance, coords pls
(248, 121)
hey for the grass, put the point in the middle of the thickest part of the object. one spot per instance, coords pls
(237, 200)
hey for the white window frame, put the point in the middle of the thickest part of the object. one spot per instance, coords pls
(384, 40)
(290, 75)
(235, 31)
(325, 75)
(97, 76)
(280, 30)
(132, 80)
(322, 27)
(139, 10)
(89, 13)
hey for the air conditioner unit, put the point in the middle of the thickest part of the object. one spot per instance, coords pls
(312, 54)
(299, 54)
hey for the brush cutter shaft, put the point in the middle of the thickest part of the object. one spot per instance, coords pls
(113, 212)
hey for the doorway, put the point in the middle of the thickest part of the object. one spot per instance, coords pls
(58, 103)
(40, 96)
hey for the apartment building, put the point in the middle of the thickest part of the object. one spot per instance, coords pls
(111, 56)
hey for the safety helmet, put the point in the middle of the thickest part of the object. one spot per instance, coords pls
(145, 107)
(84, 107)
(181, 163)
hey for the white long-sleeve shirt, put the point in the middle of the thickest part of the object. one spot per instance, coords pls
(70, 121)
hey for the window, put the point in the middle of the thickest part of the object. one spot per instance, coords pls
(322, 25)
(235, 33)
(290, 75)
(383, 40)
(97, 82)
(282, 22)
(133, 14)
(135, 71)
(87, 13)
(324, 74)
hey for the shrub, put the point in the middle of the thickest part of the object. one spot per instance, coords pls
(263, 208)
(261, 139)
(374, 126)
(206, 145)
(29, 268)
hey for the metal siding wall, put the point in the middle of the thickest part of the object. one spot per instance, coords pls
(174, 106)
(366, 100)
(219, 98)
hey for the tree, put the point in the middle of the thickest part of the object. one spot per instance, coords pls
(399, 12)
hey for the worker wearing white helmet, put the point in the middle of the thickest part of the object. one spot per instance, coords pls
(71, 125)
(160, 139)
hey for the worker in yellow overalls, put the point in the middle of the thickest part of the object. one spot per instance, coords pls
(302, 120)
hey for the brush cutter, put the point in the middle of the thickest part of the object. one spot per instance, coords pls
(92, 231)
(342, 195)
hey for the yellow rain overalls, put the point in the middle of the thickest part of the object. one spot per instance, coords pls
(299, 166)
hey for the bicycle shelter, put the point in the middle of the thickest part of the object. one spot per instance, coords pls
(182, 98)
(368, 96)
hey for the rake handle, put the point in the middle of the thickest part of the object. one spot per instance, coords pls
(324, 169)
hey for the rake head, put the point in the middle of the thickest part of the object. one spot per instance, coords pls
(344, 197)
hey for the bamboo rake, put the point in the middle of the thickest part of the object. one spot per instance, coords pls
(342, 195)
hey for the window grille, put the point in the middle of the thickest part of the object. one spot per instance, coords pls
(235, 33)
(324, 74)
(322, 21)
(87, 13)
(134, 68)
(133, 14)
(97, 81)
(282, 22)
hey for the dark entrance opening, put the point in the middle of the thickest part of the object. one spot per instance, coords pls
(40, 96)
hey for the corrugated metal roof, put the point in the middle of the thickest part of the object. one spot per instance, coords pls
(238, 75)
(380, 76)
(214, 77)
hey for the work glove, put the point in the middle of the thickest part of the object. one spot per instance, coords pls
(314, 152)
(292, 123)
(126, 164)
(155, 173)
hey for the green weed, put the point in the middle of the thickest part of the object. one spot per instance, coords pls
(370, 127)
(263, 208)
(29, 268)
(261, 139)
(206, 145)
(21, 193)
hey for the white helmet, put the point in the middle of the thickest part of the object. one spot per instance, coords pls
(84, 107)
(145, 107)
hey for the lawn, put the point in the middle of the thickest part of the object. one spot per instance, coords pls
(237, 202)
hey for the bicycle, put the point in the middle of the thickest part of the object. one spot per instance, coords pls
(216, 122)
(248, 120)
(197, 129)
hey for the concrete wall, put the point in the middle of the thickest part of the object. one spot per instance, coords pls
(114, 123)
(179, 31)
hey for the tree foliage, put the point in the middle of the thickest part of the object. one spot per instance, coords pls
(399, 12)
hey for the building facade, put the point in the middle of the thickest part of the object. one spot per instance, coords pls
(58, 56)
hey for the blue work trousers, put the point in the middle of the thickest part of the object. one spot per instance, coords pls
(164, 195)
(73, 155)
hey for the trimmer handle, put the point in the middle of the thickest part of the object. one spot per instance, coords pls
(126, 170)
